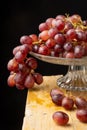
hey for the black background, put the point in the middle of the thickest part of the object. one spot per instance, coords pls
(22, 18)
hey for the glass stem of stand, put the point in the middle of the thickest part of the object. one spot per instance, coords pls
(75, 79)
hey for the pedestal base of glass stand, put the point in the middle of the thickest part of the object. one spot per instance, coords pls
(75, 79)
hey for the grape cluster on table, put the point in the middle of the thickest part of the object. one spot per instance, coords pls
(68, 103)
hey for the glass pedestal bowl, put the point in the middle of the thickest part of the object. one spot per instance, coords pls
(76, 76)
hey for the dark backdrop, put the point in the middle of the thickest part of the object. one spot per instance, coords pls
(22, 18)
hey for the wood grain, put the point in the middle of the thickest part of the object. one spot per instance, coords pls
(39, 109)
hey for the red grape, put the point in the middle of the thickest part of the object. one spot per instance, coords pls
(80, 35)
(49, 22)
(19, 56)
(34, 37)
(79, 51)
(43, 26)
(50, 43)
(57, 99)
(26, 40)
(24, 49)
(75, 18)
(19, 78)
(81, 115)
(31, 62)
(60, 117)
(71, 34)
(60, 24)
(44, 35)
(43, 50)
(59, 38)
(58, 48)
(68, 46)
(12, 65)
(68, 103)
(29, 81)
(80, 103)
(11, 81)
(52, 32)
(38, 78)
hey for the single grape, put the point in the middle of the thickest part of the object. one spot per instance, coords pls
(68, 103)
(49, 22)
(29, 81)
(58, 48)
(12, 65)
(43, 26)
(50, 43)
(80, 103)
(38, 78)
(44, 35)
(19, 78)
(80, 35)
(60, 117)
(79, 51)
(52, 32)
(71, 34)
(81, 115)
(60, 24)
(34, 37)
(60, 38)
(57, 99)
(32, 63)
(68, 46)
(26, 40)
(25, 48)
(43, 50)
(19, 56)
(11, 81)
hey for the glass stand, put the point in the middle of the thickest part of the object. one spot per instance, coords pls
(75, 79)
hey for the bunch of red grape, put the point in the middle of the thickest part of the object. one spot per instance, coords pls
(62, 36)
(59, 99)
(22, 67)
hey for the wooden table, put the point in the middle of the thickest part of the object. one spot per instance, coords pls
(39, 109)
